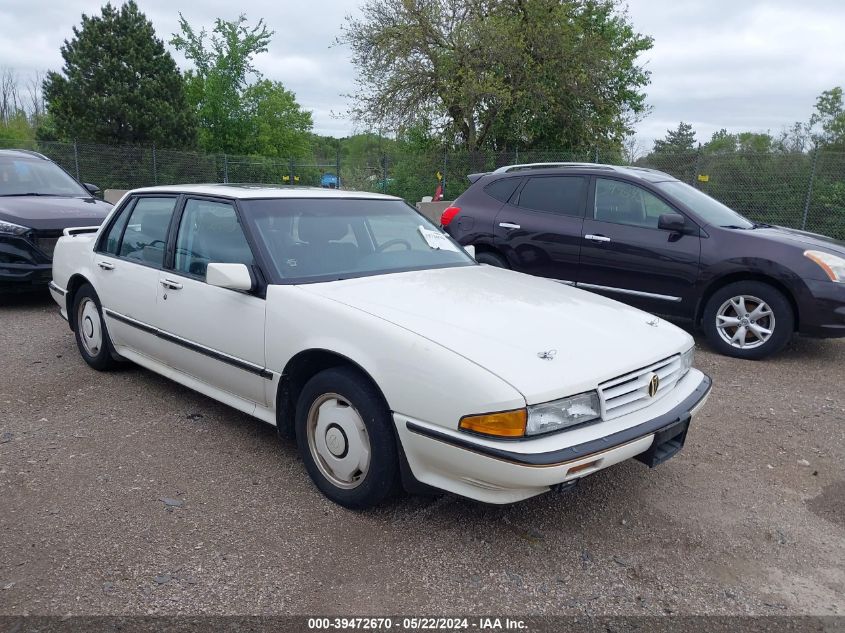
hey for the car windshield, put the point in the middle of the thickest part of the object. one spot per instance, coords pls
(36, 176)
(319, 239)
(710, 211)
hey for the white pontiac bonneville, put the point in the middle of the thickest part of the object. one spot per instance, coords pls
(351, 322)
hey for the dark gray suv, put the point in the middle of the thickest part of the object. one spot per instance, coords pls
(38, 200)
(648, 239)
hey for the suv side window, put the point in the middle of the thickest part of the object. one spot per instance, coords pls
(502, 189)
(564, 195)
(146, 231)
(623, 203)
(209, 233)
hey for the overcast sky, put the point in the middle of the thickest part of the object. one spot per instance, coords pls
(739, 64)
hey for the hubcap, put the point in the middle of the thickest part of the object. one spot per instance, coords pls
(90, 327)
(338, 441)
(745, 322)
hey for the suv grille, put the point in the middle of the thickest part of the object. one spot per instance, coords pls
(46, 241)
(630, 392)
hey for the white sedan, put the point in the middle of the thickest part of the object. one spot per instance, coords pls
(351, 322)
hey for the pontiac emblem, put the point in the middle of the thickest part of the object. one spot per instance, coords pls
(653, 385)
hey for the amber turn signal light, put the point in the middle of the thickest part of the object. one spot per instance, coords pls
(503, 424)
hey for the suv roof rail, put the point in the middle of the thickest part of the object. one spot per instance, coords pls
(509, 168)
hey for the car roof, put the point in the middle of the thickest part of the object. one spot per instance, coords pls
(23, 153)
(255, 191)
(652, 175)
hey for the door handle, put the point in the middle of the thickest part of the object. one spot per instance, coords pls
(106, 265)
(173, 285)
(597, 238)
(509, 225)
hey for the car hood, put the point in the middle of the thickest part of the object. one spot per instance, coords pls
(46, 213)
(800, 239)
(504, 321)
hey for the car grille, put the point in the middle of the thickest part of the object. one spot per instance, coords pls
(46, 243)
(630, 392)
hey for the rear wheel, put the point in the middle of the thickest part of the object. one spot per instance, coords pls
(92, 337)
(345, 438)
(748, 319)
(491, 259)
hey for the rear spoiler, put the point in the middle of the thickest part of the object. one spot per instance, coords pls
(79, 230)
(473, 177)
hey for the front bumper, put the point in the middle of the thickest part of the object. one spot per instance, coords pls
(23, 265)
(822, 313)
(497, 471)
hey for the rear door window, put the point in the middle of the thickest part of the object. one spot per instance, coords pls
(563, 195)
(144, 239)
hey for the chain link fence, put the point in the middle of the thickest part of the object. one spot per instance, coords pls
(798, 190)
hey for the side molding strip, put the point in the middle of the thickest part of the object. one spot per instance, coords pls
(626, 291)
(194, 347)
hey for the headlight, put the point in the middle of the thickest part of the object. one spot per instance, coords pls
(7, 228)
(686, 361)
(833, 266)
(559, 414)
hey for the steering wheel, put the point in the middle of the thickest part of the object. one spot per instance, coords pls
(154, 242)
(394, 242)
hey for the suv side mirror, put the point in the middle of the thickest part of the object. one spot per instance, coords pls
(671, 222)
(92, 189)
(231, 276)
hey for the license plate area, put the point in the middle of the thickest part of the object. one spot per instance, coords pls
(667, 442)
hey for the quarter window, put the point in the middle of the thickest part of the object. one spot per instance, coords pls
(565, 195)
(146, 230)
(623, 203)
(502, 189)
(112, 243)
(210, 233)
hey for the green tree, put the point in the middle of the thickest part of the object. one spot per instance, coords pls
(118, 84)
(829, 119)
(677, 141)
(501, 75)
(236, 109)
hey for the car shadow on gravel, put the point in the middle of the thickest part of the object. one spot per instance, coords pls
(40, 298)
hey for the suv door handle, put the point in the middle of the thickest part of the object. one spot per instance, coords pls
(169, 283)
(106, 265)
(597, 238)
(509, 225)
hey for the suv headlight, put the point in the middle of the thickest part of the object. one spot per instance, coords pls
(8, 228)
(686, 361)
(833, 266)
(560, 414)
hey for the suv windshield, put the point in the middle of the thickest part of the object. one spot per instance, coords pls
(35, 176)
(316, 239)
(710, 211)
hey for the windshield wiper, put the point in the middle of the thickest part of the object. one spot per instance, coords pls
(29, 193)
(733, 226)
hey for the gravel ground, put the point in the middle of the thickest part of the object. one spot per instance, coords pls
(124, 493)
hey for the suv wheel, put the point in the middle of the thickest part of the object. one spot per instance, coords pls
(748, 319)
(491, 259)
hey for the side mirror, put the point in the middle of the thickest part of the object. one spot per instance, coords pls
(470, 249)
(92, 189)
(231, 276)
(671, 222)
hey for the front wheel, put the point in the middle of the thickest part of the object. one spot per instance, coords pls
(748, 319)
(491, 259)
(92, 337)
(345, 437)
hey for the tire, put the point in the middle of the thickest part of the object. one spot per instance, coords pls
(491, 259)
(734, 307)
(340, 416)
(89, 328)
